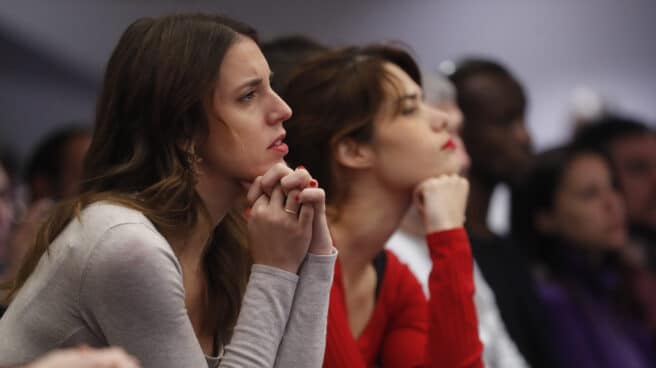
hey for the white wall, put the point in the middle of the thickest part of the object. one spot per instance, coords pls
(553, 46)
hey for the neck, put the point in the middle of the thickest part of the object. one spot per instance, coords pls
(219, 195)
(367, 219)
(480, 193)
(412, 223)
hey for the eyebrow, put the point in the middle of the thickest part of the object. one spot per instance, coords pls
(253, 82)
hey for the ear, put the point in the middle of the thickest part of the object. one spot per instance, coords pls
(353, 154)
(545, 222)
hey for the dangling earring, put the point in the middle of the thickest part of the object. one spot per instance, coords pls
(193, 159)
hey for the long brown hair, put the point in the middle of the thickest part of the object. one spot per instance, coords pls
(334, 96)
(150, 108)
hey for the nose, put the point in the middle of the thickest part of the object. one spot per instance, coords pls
(439, 120)
(614, 204)
(520, 133)
(279, 110)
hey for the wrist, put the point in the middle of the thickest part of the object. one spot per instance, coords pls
(431, 227)
(323, 250)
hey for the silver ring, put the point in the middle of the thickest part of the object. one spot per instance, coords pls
(290, 211)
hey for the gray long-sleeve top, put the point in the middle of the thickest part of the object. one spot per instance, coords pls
(110, 278)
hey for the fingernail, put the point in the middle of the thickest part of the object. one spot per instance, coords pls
(300, 167)
(314, 183)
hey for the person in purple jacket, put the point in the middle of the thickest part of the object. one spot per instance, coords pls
(572, 214)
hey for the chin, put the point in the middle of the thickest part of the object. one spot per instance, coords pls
(258, 170)
(616, 242)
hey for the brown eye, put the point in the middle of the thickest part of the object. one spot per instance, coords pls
(408, 110)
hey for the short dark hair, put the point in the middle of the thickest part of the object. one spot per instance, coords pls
(335, 96)
(599, 134)
(468, 99)
(285, 53)
(537, 193)
(46, 159)
(475, 66)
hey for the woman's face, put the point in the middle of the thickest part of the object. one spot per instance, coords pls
(244, 116)
(415, 144)
(588, 211)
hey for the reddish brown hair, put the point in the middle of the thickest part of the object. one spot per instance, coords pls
(334, 96)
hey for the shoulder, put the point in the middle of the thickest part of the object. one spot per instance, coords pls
(123, 240)
(103, 215)
(552, 293)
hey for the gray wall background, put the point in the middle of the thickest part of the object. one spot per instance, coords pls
(52, 53)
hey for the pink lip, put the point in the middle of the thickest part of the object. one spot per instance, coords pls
(280, 147)
(450, 144)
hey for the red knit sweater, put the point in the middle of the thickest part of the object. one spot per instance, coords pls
(405, 330)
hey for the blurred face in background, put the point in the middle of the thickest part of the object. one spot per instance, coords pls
(495, 131)
(72, 160)
(634, 158)
(6, 208)
(587, 209)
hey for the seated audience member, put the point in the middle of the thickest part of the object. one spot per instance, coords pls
(52, 173)
(409, 245)
(575, 218)
(55, 168)
(631, 147)
(361, 125)
(494, 131)
(153, 255)
(7, 207)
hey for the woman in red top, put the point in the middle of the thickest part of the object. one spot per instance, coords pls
(361, 126)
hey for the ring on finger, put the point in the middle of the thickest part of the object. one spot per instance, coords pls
(290, 211)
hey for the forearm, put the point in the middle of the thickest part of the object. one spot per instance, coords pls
(303, 344)
(261, 324)
(453, 333)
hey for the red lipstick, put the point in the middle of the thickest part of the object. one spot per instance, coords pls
(449, 145)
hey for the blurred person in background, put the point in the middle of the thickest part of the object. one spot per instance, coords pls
(52, 173)
(7, 209)
(409, 245)
(631, 147)
(285, 53)
(362, 126)
(494, 131)
(54, 169)
(570, 211)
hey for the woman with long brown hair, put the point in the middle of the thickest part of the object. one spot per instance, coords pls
(151, 256)
(362, 127)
